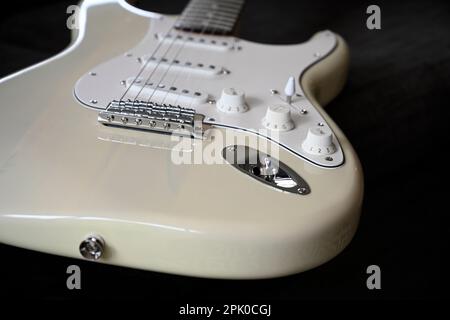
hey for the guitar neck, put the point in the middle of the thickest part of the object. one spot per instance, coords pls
(210, 16)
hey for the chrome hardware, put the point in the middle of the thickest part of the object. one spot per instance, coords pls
(92, 247)
(265, 169)
(154, 117)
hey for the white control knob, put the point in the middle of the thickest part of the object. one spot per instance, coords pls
(278, 118)
(319, 141)
(232, 101)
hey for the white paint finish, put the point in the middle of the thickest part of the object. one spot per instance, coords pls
(64, 176)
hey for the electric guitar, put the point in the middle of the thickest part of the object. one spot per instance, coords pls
(166, 143)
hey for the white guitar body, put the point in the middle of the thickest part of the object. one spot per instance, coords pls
(65, 176)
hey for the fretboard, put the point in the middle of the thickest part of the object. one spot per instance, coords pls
(210, 16)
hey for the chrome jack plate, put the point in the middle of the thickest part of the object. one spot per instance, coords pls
(265, 169)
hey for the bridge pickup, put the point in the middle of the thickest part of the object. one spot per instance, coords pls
(153, 117)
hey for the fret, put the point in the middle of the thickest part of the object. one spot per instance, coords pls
(222, 11)
(209, 16)
(220, 7)
(192, 18)
(210, 23)
(219, 11)
(201, 17)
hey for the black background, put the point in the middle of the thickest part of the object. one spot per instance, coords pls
(394, 110)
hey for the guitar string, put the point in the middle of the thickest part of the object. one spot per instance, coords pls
(162, 58)
(231, 39)
(183, 72)
(144, 67)
(151, 58)
(206, 25)
(175, 58)
(158, 64)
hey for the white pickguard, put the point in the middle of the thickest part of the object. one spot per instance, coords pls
(193, 68)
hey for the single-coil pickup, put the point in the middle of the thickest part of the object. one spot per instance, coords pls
(163, 92)
(191, 40)
(177, 65)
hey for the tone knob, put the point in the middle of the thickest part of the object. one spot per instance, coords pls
(319, 140)
(232, 101)
(278, 118)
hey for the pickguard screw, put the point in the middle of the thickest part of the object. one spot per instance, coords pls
(93, 74)
(123, 82)
(94, 101)
(273, 91)
(317, 55)
(225, 71)
(303, 111)
(211, 101)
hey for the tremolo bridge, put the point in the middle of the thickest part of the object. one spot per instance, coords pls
(153, 117)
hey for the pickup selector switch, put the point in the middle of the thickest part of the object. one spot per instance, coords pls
(319, 141)
(232, 100)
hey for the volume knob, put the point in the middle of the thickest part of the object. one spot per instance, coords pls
(319, 140)
(278, 118)
(232, 101)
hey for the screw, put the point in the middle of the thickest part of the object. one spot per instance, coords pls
(92, 247)
(301, 190)
(273, 91)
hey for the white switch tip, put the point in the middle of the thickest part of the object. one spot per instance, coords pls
(289, 90)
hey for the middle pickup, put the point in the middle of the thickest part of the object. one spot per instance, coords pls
(200, 68)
